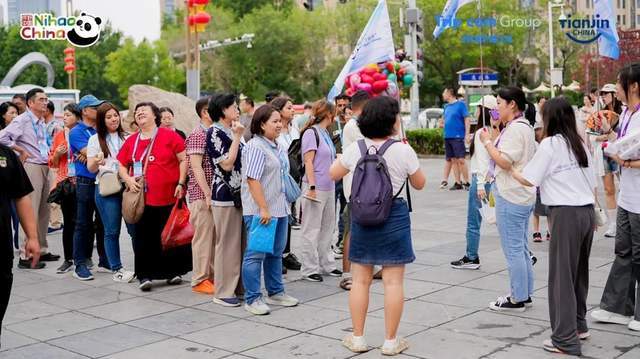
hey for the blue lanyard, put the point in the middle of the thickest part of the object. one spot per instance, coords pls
(327, 139)
(283, 163)
(135, 146)
(114, 148)
(36, 125)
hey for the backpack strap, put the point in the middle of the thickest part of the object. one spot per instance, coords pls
(386, 145)
(363, 147)
(315, 132)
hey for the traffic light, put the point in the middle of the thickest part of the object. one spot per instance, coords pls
(414, 16)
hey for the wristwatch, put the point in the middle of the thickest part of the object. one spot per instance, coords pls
(313, 187)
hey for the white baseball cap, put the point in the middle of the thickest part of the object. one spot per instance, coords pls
(608, 88)
(488, 101)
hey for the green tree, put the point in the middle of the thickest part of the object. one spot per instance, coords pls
(244, 7)
(144, 63)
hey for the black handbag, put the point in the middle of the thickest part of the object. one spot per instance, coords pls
(64, 189)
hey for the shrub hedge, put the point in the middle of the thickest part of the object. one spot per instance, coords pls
(428, 141)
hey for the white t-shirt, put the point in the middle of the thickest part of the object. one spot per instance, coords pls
(517, 145)
(350, 134)
(479, 161)
(286, 138)
(556, 171)
(629, 196)
(114, 142)
(401, 159)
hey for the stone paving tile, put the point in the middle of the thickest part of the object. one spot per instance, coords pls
(439, 343)
(40, 351)
(130, 309)
(183, 321)
(15, 299)
(109, 340)
(631, 354)
(302, 345)
(593, 298)
(377, 354)
(497, 326)
(373, 331)
(11, 340)
(463, 297)
(305, 291)
(86, 298)
(428, 314)
(239, 336)
(520, 351)
(445, 275)
(302, 317)
(500, 283)
(31, 309)
(173, 348)
(340, 302)
(49, 288)
(59, 325)
(412, 288)
(236, 312)
(24, 277)
(181, 296)
(601, 344)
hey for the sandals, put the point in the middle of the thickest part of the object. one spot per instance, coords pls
(346, 283)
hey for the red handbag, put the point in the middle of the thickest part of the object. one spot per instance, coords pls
(177, 231)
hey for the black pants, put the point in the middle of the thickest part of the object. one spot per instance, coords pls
(569, 251)
(151, 262)
(620, 293)
(68, 207)
(6, 278)
(342, 204)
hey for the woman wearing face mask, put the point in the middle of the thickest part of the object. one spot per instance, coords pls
(611, 103)
(623, 288)
(102, 149)
(480, 188)
(513, 149)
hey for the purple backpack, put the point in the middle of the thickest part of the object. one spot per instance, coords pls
(371, 191)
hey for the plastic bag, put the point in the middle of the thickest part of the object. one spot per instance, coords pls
(487, 212)
(177, 231)
(262, 237)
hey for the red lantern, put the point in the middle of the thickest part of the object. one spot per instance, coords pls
(69, 68)
(200, 20)
(70, 59)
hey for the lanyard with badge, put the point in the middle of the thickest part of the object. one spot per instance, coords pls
(137, 165)
(327, 139)
(71, 166)
(114, 148)
(623, 129)
(492, 164)
(283, 163)
(43, 145)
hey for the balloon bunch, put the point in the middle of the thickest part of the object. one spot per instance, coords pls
(385, 79)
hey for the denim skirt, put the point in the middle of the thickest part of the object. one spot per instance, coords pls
(386, 244)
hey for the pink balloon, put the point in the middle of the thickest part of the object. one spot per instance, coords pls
(355, 80)
(364, 86)
(380, 86)
(379, 76)
(367, 79)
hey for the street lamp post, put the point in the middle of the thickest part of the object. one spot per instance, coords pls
(197, 19)
(552, 4)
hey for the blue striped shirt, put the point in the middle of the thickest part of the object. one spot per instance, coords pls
(261, 163)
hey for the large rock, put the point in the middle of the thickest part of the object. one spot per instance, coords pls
(184, 108)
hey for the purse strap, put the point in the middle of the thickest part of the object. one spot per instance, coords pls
(595, 195)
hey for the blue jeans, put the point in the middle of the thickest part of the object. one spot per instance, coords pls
(254, 261)
(86, 226)
(474, 219)
(513, 226)
(110, 209)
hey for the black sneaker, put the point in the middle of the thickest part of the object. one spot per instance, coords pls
(65, 267)
(444, 184)
(548, 236)
(295, 223)
(291, 262)
(145, 285)
(528, 302)
(537, 237)
(26, 264)
(466, 263)
(335, 273)
(49, 257)
(504, 304)
(467, 186)
(456, 187)
(534, 260)
(314, 278)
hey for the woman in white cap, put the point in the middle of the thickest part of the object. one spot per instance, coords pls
(611, 103)
(480, 184)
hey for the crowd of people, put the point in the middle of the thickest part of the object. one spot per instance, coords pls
(338, 173)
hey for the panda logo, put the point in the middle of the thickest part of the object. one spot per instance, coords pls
(86, 31)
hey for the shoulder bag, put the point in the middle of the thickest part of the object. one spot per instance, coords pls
(133, 202)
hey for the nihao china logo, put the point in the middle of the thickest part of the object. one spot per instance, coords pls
(80, 31)
(583, 31)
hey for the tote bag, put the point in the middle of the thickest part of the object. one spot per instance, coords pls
(262, 237)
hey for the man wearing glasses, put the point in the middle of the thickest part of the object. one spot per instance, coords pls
(26, 135)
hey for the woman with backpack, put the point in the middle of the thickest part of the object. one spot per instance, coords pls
(563, 170)
(512, 150)
(387, 242)
(318, 204)
(480, 186)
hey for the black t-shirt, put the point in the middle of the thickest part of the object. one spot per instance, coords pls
(14, 184)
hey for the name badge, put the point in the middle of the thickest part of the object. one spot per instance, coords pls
(71, 169)
(137, 169)
(44, 148)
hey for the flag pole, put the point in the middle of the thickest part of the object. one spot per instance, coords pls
(481, 60)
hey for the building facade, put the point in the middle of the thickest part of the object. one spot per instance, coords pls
(627, 12)
(17, 7)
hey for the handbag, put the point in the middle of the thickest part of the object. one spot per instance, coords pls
(62, 190)
(600, 214)
(487, 212)
(178, 231)
(133, 202)
(291, 189)
(262, 237)
(109, 183)
(236, 194)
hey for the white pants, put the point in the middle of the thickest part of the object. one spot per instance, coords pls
(318, 225)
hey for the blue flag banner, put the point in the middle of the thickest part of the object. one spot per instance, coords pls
(448, 16)
(608, 41)
(374, 45)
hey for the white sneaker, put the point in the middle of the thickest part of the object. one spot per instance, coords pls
(102, 269)
(123, 276)
(604, 316)
(355, 344)
(257, 307)
(282, 299)
(611, 231)
(399, 346)
(634, 325)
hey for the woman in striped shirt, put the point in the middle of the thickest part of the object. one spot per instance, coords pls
(263, 196)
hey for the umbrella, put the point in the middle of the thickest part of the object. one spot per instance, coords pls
(541, 88)
(574, 86)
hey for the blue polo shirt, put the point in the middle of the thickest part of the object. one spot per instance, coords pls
(454, 115)
(78, 140)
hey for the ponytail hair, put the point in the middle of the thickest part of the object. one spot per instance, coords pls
(320, 110)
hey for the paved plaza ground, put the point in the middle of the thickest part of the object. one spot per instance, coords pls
(55, 316)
